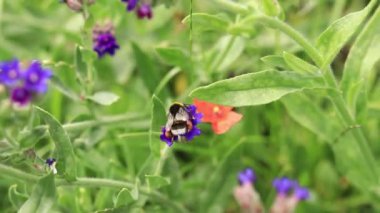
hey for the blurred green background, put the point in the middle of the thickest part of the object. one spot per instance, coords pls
(203, 172)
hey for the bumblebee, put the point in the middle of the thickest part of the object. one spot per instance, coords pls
(179, 121)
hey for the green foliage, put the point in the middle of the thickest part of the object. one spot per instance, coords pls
(309, 112)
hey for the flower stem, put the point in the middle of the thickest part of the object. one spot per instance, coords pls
(93, 182)
(109, 120)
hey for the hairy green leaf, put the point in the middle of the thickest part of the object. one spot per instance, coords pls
(65, 155)
(361, 60)
(257, 88)
(42, 198)
(338, 33)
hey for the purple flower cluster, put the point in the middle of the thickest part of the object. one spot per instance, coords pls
(195, 119)
(24, 84)
(285, 185)
(289, 193)
(143, 10)
(104, 40)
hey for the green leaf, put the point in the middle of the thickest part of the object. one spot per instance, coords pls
(104, 98)
(257, 88)
(361, 60)
(297, 64)
(275, 61)
(206, 22)
(65, 155)
(338, 33)
(158, 120)
(147, 70)
(42, 198)
(307, 113)
(15, 197)
(155, 182)
(176, 57)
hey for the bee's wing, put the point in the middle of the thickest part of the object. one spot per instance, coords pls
(169, 122)
(182, 115)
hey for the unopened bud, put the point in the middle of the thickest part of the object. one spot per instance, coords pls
(76, 5)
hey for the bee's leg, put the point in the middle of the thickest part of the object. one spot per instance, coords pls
(189, 125)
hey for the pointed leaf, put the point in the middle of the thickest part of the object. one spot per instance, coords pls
(332, 40)
(361, 60)
(257, 88)
(64, 150)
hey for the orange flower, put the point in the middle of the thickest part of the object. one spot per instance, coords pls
(222, 118)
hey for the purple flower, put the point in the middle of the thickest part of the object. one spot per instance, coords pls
(301, 193)
(36, 77)
(145, 10)
(50, 161)
(195, 131)
(10, 72)
(283, 185)
(105, 42)
(246, 176)
(164, 138)
(21, 96)
(131, 4)
(195, 119)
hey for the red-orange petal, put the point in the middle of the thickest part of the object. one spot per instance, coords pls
(224, 125)
(209, 111)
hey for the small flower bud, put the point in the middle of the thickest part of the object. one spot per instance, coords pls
(76, 5)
